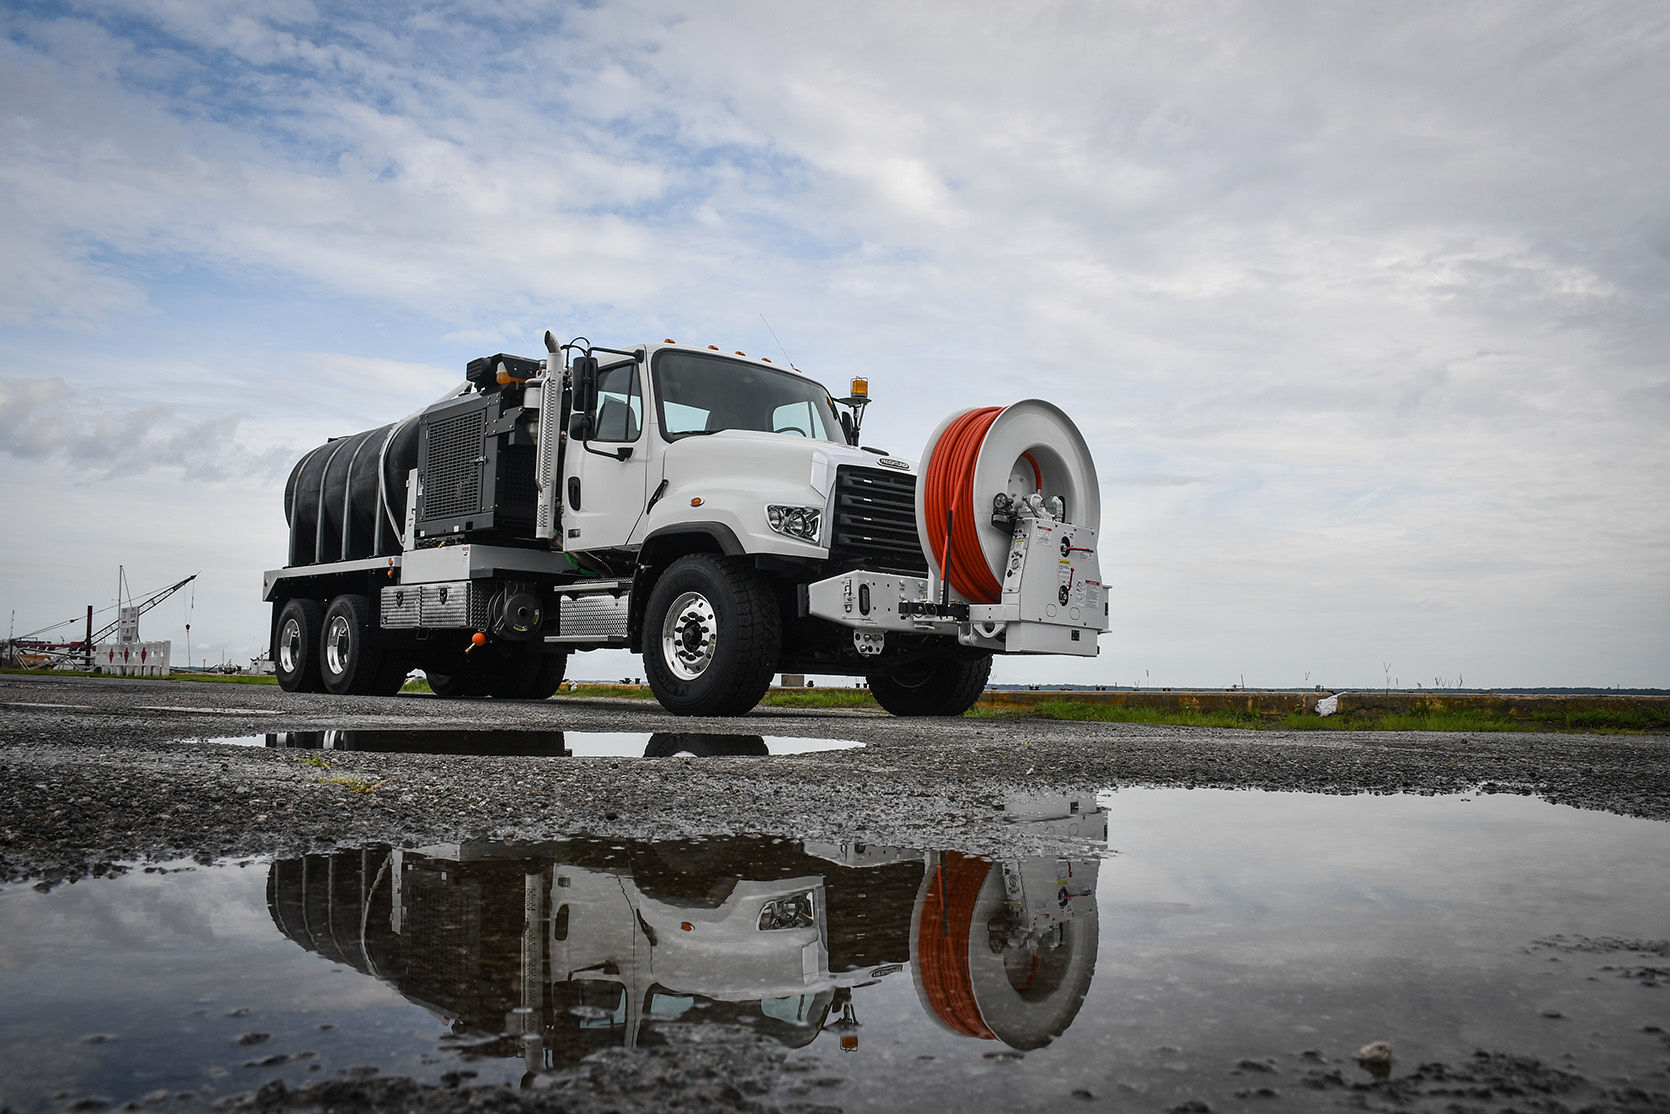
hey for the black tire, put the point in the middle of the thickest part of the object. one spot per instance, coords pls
(712, 635)
(463, 684)
(528, 676)
(295, 646)
(938, 687)
(392, 678)
(350, 656)
(699, 744)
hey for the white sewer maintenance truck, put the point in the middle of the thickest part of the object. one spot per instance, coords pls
(713, 512)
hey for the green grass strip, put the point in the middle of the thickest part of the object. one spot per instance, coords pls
(1470, 720)
(609, 690)
(821, 698)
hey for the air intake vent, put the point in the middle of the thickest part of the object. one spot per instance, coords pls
(452, 465)
(521, 490)
(875, 522)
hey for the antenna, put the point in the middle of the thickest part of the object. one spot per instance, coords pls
(773, 333)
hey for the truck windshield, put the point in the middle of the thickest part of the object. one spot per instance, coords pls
(703, 394)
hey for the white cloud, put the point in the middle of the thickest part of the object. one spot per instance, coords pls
(1275, 261)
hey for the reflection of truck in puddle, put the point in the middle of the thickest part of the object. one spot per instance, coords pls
(544, 744)
(551, 951)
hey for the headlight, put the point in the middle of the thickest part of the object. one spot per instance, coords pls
(794, 911)
(795, 522)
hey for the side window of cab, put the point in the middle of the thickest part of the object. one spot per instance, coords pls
(620, 403)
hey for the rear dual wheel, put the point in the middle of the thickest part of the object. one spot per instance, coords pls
(295, 646)
(335, 648)
(461, 683)
(528, 676)
(944, 686)
(353, 659)
(508, 675)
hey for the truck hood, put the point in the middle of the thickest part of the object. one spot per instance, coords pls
(748, 460)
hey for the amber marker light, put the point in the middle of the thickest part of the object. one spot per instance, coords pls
(696, 502)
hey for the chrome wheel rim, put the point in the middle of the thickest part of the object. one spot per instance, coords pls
(337, 645)
(689, 635)
(290, 646)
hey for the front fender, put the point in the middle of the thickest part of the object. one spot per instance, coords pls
(721, 485)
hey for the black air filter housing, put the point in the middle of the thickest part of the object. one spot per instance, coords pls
(475, 469)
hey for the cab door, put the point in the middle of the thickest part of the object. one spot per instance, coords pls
(606, 473)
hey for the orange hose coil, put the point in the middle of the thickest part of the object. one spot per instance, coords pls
(942, 942)
(949, 485)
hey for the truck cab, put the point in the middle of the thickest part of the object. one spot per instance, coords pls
(684, 441)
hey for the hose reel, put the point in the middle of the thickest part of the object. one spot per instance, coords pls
(993, 455)
(997, 954)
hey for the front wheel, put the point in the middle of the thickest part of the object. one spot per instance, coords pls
(712, 633)
(938, 687)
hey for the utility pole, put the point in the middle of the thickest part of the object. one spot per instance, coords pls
(87, 643)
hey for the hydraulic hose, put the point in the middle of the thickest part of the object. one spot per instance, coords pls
(948, 490)
(942, 942)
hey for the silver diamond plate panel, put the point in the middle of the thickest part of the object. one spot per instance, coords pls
(445, 605)
(400, 607)
(595, 616)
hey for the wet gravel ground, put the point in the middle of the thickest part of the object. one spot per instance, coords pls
(95, 773)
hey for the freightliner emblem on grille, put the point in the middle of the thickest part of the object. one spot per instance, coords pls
(889, 462)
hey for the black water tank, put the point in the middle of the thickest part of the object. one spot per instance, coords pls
(331, 500)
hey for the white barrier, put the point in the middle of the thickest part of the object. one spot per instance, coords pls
(132, 659)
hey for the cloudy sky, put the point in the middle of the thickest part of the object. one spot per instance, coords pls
(1362, 308)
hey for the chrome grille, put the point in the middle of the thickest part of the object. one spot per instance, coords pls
(875, 521)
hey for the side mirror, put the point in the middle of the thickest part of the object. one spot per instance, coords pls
(579, 426)
(848, 429)
(585, 387)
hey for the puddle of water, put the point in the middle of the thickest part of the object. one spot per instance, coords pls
(542, 744)
(1225, 931)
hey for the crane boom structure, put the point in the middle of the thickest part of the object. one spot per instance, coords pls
(55, 655)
